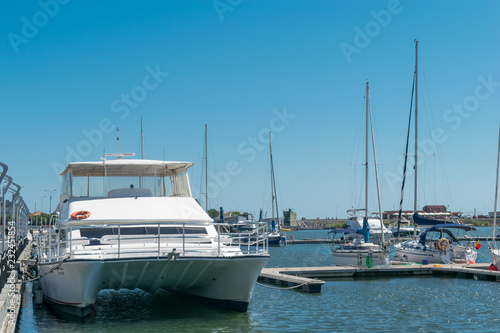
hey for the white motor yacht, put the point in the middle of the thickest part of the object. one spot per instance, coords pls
(127, 224)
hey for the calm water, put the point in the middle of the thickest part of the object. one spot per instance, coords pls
(390, 305)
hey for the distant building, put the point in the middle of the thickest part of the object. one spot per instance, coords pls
(289, 218)
(490, 215)
(393, 214)
(229, 218)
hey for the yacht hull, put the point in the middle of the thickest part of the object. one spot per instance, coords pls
(226, 282)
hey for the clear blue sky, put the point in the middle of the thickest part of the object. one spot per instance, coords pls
(73, 71)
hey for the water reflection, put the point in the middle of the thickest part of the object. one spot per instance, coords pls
(133, 311)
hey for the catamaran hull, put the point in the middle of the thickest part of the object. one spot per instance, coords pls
(226, 282)
(358, 258)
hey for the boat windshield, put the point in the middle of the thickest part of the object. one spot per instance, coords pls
(175, 184)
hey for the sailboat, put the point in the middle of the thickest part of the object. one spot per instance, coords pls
(444, 246)
(276, 237)
(354, 248)
(495, 252)
(420, 219)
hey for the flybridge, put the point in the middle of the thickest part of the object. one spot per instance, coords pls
(101, 179)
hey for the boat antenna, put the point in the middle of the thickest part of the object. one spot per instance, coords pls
(117, 140)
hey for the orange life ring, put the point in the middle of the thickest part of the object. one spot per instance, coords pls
(80, 215)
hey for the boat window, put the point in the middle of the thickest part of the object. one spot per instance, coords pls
(121, 186)
(66, 185)
(180, 184)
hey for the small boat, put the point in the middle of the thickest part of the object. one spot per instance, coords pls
(356, 218)
(495, 251)
(276, 237)
(438, 245)
(404, 229)
(352, 247)
(126, 224)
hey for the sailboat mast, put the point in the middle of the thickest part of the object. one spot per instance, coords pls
(496, 191)
(272, 174)
(366, 152)
(376, 171)
(142, 142)
(206, 169)
(416, 123)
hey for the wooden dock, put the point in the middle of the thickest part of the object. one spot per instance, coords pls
(307, 277)
(273, 275)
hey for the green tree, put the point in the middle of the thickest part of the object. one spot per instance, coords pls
(236, 213)
(212, 213)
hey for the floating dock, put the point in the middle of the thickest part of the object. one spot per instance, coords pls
(307, 277)
(401, 239)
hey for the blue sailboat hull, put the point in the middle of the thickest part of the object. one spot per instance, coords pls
(277, 240)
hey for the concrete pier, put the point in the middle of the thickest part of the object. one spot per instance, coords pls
(273, 275)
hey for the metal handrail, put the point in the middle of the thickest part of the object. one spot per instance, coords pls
(53, 246)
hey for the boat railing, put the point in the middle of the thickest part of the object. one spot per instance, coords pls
(66, 243)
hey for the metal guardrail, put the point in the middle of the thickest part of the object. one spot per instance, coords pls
(6, 260)
(59, 244)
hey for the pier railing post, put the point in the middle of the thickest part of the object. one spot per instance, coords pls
(70, 241)
(183, 239)
(4, 210)
(159, 240)
(119, 238)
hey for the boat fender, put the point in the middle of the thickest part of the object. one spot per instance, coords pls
(80, 215)
(443, 244)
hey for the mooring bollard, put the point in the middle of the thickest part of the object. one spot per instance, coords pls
(39, 296)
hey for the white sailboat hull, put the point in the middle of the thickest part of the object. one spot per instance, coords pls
(408, 252)
(226, 282)
(357, 258)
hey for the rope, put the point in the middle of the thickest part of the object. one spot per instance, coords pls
(280, 288)
(484, 255)
(51, 270)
